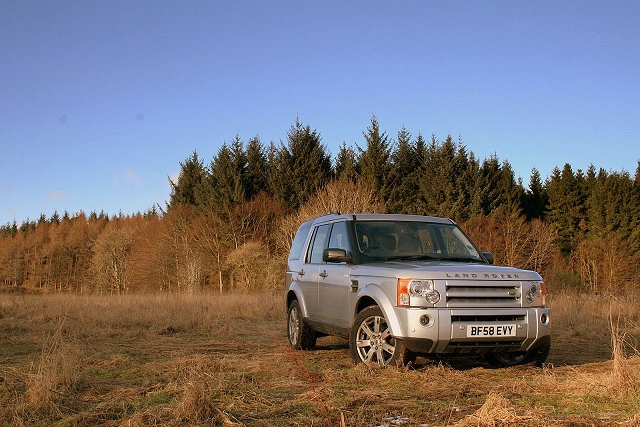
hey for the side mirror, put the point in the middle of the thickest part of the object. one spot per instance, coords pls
(335, 255)
(488, 256)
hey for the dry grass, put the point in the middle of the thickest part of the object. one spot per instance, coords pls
(495, 411)
(55, 373)
(223, 360)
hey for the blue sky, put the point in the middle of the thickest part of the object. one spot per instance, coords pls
(101, 101)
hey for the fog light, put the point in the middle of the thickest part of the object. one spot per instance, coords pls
(425, 320)
(544, 319)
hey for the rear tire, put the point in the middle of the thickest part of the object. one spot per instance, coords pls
(371, 342)
(301, 336)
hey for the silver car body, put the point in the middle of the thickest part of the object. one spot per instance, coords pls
(481, 308)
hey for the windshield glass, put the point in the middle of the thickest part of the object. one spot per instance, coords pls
(397, 240)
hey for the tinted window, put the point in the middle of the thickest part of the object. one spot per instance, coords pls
(384, 240)
(298, 241)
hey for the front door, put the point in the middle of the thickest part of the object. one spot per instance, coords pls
(334, 285)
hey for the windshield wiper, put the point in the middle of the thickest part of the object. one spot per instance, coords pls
(461, 258)
(422, 257)
(411, 257)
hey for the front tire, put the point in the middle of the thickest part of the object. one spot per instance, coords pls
(301, 336)
(371, 342)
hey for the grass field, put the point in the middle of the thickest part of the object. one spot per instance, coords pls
(178, 360)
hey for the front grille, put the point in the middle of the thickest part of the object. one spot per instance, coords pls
(467, 348)
(488, 318)
(477, 294)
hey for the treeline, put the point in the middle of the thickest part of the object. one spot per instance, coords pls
(228, 223)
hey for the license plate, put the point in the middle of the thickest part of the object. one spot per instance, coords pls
(491, 331)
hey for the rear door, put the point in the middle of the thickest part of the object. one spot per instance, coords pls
(312, 267)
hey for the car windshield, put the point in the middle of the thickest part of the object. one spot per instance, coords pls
(412, 240)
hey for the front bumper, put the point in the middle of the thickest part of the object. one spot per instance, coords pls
(445, 331)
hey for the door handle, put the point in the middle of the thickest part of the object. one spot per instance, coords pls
(323, 274)
(301, 273)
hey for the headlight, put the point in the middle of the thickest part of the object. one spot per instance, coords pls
(412, 291)
(536, 295)
(418, 287)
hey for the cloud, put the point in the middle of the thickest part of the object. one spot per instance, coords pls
(10, 212)
(131, 176)
(57, 195)
(128, 178)
(10, 189)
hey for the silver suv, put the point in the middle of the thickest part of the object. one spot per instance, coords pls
(398, 286)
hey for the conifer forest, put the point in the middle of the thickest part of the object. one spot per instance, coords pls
(228, 223)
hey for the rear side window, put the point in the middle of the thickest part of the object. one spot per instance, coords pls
(298, 241)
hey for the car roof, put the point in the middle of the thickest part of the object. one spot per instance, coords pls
(381, 217)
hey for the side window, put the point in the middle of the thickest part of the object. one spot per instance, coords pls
(319, 243)
(298, 241)
(339, 237)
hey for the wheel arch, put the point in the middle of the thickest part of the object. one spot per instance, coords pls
(374, 295)
(294, 293)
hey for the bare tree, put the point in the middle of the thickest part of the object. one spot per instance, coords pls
(213, 244)
(251, 268)
(183, 263)
(109, 262)
(604, 265)
(513, 240)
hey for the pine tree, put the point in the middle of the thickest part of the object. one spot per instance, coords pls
(256, 172)
(466, 184)
(474, 187)
(277, 183)
(239, 163)
(613, 207)
(535, 198)
(597, 201)
(510, 193)
(373, 162)
(346, 168)
(401, 185)
(634, 238)
(490, 177)
(445, 180)
(566, 212)
(186, 190)
(226, 178)
(299, 169)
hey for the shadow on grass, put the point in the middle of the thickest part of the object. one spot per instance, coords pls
(574, 352)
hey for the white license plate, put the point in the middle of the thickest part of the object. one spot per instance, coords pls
(491, 330)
